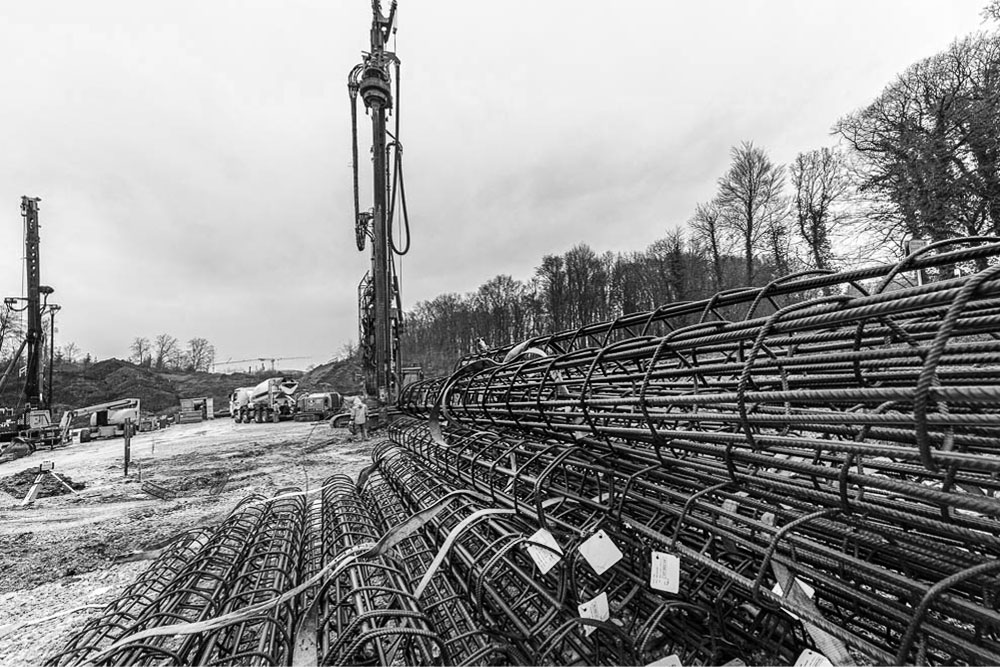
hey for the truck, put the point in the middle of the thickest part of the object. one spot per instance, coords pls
(106, 420)
(239, 402)
(272, 400)
(318, 406)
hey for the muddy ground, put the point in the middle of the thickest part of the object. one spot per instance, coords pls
(64, 551)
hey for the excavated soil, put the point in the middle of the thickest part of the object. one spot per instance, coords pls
(19, 483)
(66, 551)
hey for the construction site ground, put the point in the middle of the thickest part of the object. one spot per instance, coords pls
(67, 551)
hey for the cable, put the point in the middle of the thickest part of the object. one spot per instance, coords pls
(352, 91)
(397, 179)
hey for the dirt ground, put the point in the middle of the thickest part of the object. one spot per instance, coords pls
(63, 552)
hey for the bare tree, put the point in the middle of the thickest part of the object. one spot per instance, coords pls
(165, 350)
(70, 351)
(586, 285)
(200, 354)
(928, 149)
(751, 205)
(705, 232)
(11, 333)
(991, 12)
(140, 351)
(552, 282)
(822, 188)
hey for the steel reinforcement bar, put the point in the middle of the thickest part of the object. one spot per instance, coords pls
(849, 438)
(865, 576)
(368, 614)
(711, 624)
(252, 554)
(536, 610)
(447, 599)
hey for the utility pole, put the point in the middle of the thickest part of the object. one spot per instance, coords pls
(380, 323)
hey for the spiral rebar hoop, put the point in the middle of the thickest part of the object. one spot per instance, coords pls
(813, 464)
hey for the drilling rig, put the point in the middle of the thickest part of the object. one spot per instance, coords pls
(380, 312)
(31, 421)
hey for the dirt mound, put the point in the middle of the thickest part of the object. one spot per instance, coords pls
(218, 386)
(18, 484)
(76, 386)
(340, 375)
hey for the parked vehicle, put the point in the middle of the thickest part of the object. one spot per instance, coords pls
(239, 402)
(318, 406)
(272, 400)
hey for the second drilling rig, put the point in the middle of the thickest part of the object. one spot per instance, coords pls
(31, 420)
(376, 81)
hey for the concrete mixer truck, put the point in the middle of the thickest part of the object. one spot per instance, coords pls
(271, 400)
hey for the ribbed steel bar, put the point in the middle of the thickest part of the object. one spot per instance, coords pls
(468, 637)
(253, 556)
(859, 562)
(270, 568)
(124, 611)
(862, 424)
(368, 614)
(536, 611)
(199, 592)
(708, 626)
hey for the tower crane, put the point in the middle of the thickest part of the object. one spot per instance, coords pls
(260, 359)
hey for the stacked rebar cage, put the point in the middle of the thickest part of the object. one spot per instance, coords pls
(810, 465)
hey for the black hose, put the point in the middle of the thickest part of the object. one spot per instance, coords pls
(397, 179)
(352, 91)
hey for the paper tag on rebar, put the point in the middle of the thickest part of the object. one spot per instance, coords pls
(665, 572)
(596, 609)
(600, 551)
(544, 559)
(806, 588)
(670, 661)
(809, 658)
(728, 505)
(735, 662)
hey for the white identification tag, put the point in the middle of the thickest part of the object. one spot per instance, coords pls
(670, 661)
(806, 588)
(544, 559)
(810, 658)
(600, 551)
(665, 572)
(596, 609)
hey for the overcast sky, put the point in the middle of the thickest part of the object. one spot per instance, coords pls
(193, 156)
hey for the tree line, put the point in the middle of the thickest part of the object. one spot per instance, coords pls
(164, 352)
(920, 161)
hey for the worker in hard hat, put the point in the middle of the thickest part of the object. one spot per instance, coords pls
(359, 413)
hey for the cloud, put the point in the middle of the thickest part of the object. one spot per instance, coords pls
(194, 158)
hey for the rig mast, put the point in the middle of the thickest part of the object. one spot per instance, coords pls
(378, 295)
(33, 336)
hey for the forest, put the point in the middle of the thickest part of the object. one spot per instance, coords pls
(922, 160)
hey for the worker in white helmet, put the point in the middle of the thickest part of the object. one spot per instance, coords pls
(359, 413)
